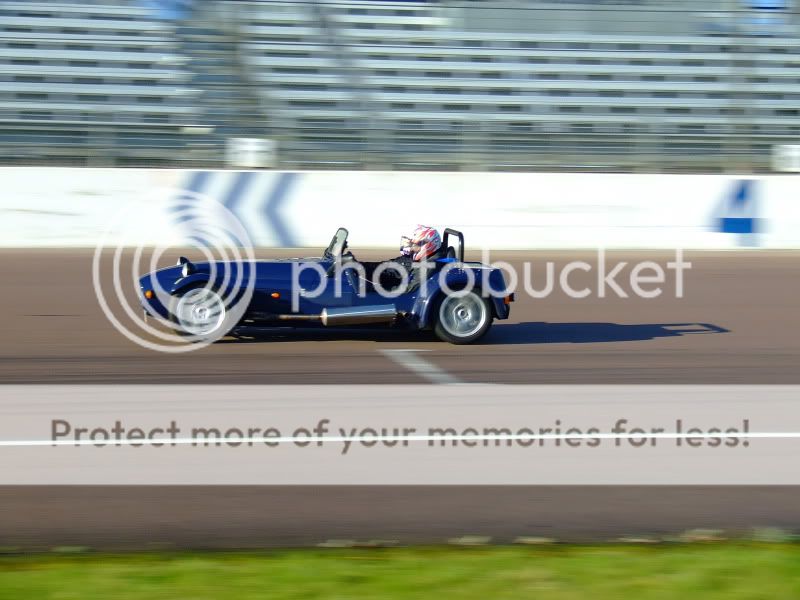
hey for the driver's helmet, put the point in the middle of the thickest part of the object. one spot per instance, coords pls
(423, 243)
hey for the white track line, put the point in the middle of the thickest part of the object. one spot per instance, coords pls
(416, 364)
(306, 440)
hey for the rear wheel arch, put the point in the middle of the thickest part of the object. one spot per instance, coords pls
(440, 294)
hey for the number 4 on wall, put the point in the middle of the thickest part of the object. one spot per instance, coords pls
(738, 210)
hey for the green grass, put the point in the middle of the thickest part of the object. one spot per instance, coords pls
(708, 571)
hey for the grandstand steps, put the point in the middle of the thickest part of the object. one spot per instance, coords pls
(226, 101)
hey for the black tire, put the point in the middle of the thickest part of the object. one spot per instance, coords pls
(462, 319)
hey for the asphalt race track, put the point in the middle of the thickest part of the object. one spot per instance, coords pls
(737, 323)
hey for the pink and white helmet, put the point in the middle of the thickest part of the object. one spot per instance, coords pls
(423, 243)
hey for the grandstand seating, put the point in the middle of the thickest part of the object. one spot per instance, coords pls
(400, 85)
(90, 80)
(407, 73)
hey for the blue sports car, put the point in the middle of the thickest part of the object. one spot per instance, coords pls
(458, 300)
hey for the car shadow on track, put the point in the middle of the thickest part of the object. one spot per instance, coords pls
(590, 333)
(500, 333)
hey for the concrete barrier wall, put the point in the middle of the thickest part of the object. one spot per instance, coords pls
(77, 207)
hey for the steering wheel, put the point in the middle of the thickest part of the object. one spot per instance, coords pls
(346, 253)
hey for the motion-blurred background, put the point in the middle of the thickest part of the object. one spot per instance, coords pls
(321, 97)
(603, 85)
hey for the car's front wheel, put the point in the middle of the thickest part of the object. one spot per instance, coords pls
(201, 313)
(462, 318)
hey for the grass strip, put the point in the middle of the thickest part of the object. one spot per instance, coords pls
(727, 570)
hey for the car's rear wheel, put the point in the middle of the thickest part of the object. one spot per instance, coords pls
(201, 313)
(462, 318)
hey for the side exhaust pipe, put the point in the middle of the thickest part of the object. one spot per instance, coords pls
(358, 315)
(348, 315)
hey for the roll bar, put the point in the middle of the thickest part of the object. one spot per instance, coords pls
(446, 239)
